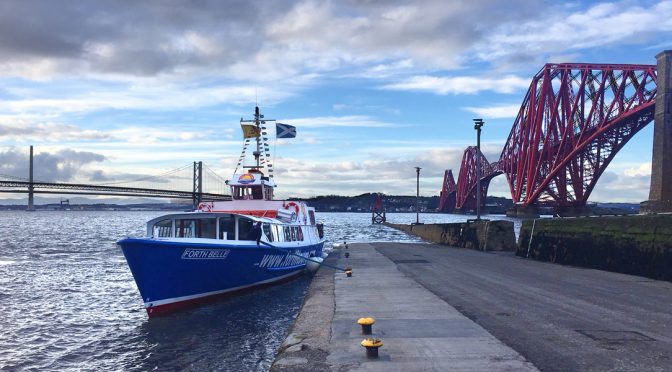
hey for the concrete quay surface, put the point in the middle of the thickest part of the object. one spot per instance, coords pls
(560, 318)
(420, 331)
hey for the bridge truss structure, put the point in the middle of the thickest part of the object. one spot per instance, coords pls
(573, 121)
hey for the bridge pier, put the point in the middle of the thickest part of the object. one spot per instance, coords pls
(660, 192)
(573, 210)
(31, 186)
(523, 211)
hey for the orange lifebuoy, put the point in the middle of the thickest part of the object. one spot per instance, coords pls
(292, 204)
(205, 207)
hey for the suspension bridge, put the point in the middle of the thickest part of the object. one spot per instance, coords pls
(196, 181)
(573, 121)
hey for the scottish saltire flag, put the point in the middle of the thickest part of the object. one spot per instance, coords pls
(284, 131)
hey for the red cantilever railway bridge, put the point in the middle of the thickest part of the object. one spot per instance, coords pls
(574, 119)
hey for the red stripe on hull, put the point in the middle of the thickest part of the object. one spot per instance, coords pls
(161, 310)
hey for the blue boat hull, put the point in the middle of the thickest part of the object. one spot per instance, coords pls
(171, 275)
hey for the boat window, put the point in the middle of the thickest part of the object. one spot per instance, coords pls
(268, 192)
(241, 192)
(236, 192)
(312, 217)
(288, 235)
(248, 192)
(320, 230)
(257, 193)
(245, 229)
(207, 228)
(293, 232)
(195, 228)
(299, 233)
(163, 229)
(227, 228)
(185, 228)
(277, 233)
(267, 231)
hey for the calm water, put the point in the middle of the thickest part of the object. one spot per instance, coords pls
(68, 300)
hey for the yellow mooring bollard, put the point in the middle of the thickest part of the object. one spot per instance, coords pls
(372, 345)
(367, 324)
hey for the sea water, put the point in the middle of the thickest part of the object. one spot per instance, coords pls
(68, 300)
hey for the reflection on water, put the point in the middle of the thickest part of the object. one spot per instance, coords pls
(68, 300)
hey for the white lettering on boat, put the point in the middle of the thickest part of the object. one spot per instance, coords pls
(283, 260)
(205, 254)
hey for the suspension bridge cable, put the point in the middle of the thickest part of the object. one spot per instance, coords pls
(214, 181)
(170, 172)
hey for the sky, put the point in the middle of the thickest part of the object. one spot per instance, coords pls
(108, 91)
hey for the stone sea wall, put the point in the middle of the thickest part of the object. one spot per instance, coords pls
(638, 245)
(483, 235)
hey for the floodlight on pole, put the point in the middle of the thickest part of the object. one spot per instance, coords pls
(478, 123)
(417, 196)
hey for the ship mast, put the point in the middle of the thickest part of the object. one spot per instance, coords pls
(257, 123)
(262, 152)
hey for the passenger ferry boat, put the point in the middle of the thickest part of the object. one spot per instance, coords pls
(226, 247)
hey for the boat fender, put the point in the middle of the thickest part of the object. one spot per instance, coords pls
(313, 264)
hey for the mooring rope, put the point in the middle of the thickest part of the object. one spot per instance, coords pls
(529, 244)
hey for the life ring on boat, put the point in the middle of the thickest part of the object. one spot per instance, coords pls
(205, 207)
(292, 204)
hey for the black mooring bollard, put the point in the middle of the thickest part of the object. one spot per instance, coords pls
(347, 254)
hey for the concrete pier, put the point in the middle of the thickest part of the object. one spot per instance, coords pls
(483, 235)
(637, 245)
(660, 193)
(420, 331)
(444, 309)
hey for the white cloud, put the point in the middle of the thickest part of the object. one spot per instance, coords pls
(495, 112)
(560, 31)
(338, 121)
(18, 129)
(643, 170)
(460, 84)
(236, 40)
(150, 95)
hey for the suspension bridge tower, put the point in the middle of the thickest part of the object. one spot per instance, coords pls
(660, 192)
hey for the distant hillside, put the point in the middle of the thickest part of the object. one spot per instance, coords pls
(329, 203)
(392, 203)
(364, 203)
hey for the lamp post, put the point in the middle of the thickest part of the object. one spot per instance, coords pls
(417, 196)
(478, 123)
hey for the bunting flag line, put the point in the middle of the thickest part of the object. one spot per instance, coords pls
(285, 131)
